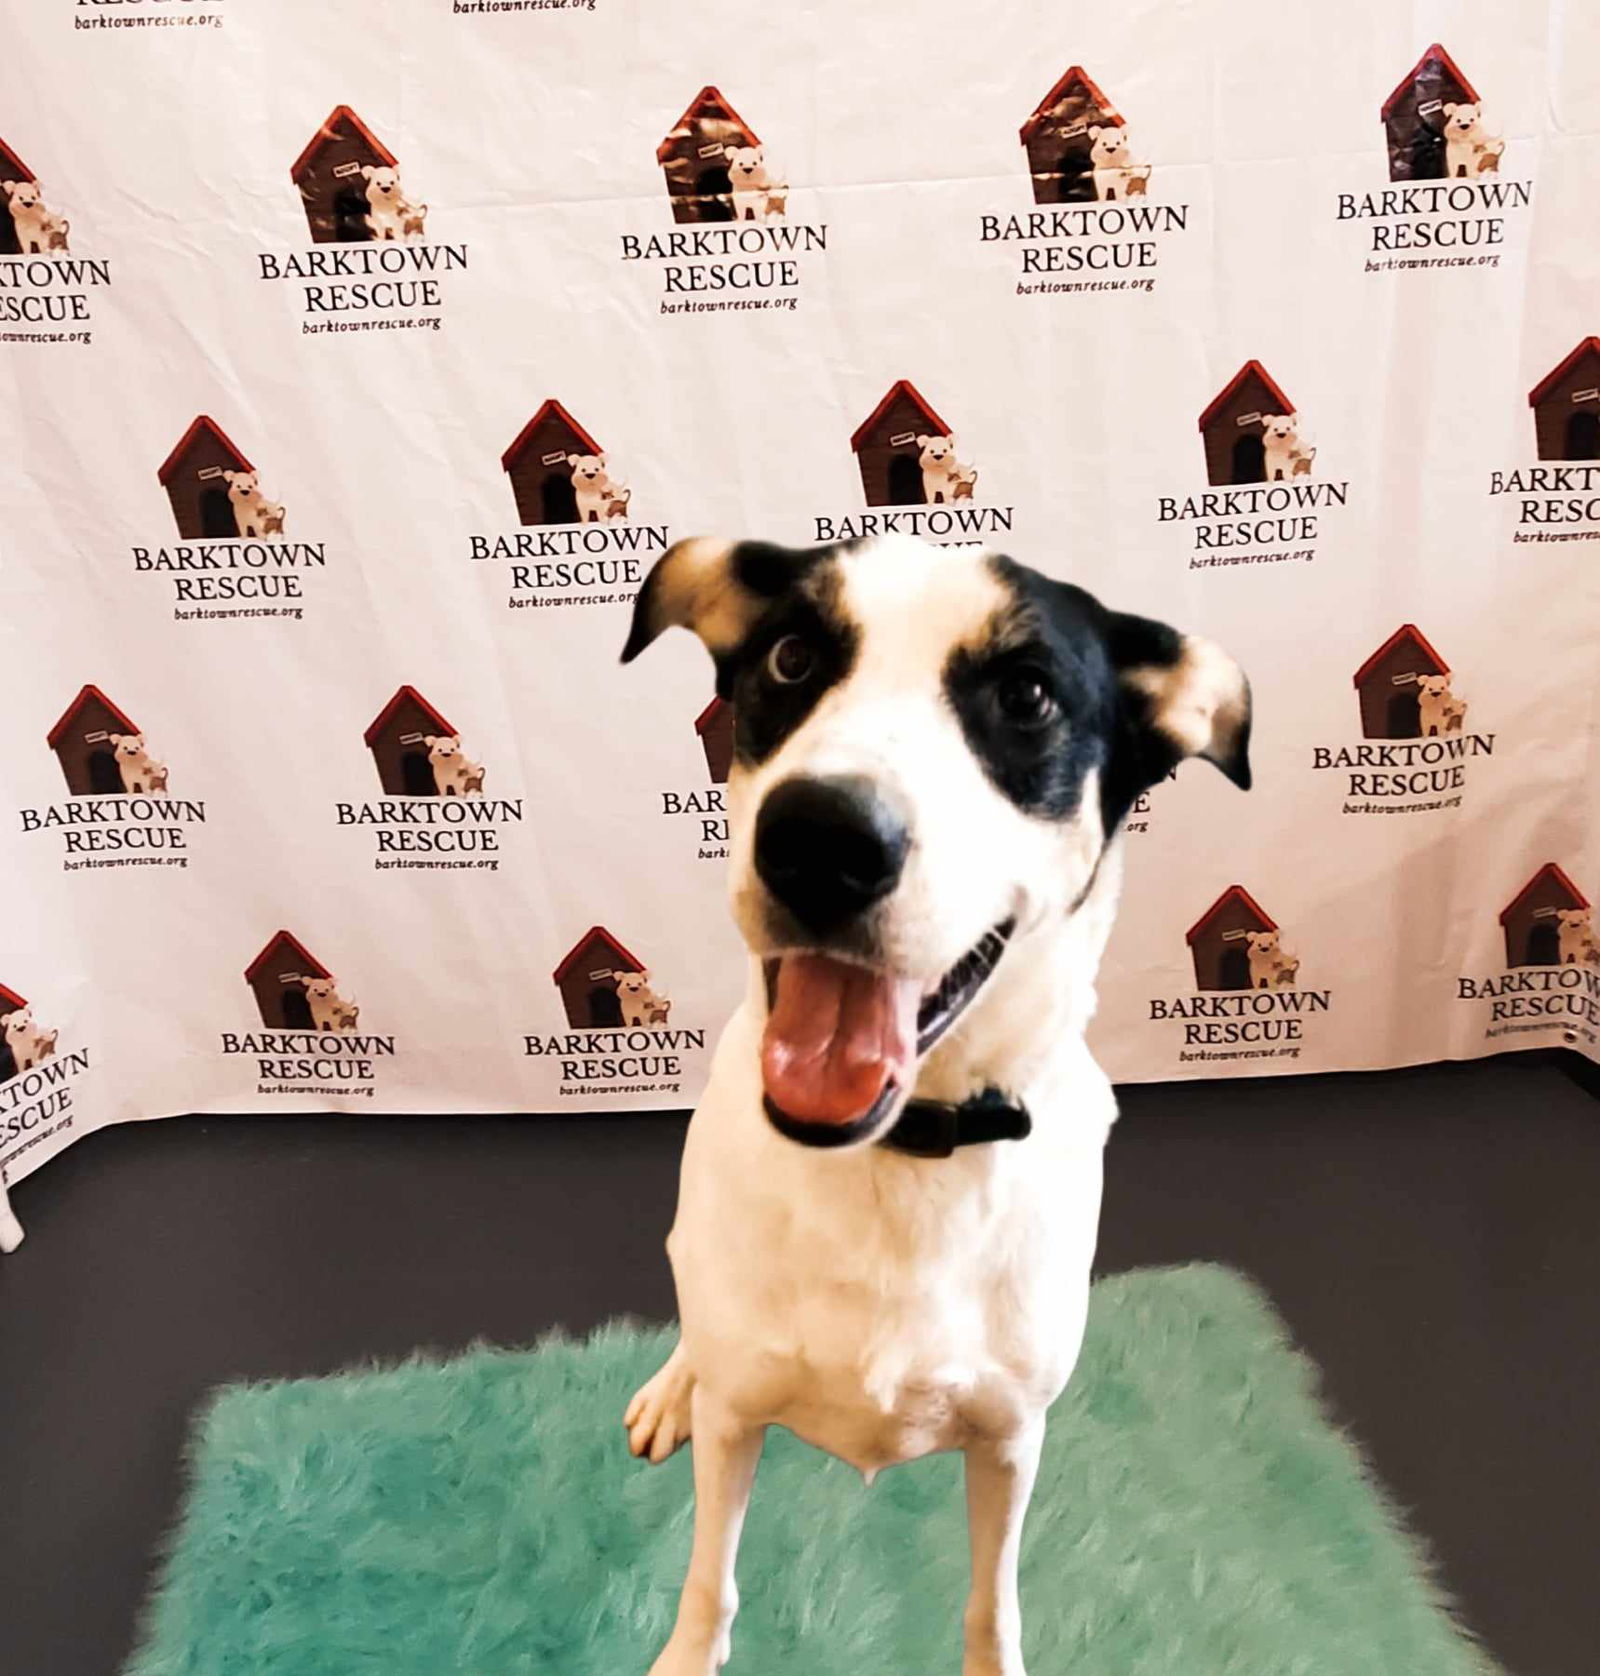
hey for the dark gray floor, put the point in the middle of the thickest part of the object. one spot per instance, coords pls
(1431, 1237)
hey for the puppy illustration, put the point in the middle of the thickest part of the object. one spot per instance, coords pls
(1280, 444)
(139, 770)
(329, 1009)
(39, 233)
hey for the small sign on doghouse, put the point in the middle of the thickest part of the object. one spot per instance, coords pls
(1544, 913)
(411, 738)
(596, 977)
(1404, 680)
(97, 738)
(1592, 394)
(1075, 130)
(342, 171)
(208, 471)
(1430, 107)
(901, 438)
(1235, 936)
(558, 458)
(710, 150)
(1248, 419)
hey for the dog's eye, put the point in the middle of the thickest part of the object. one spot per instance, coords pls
(790, 660)
(1024, 699)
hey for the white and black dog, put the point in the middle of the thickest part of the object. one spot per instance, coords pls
(890, 1191)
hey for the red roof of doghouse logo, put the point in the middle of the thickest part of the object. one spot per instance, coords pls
(86, 695)
(1434, 55)
(1234, 893)
(1075, 77)
(312, 966)
(1554, 875)
(551, 409)
(329, 132)
(585, 942)
(707, 103)
(15, 168)
(10, 999)
(1250, 368)
(386, 714)
(1589, 346)
(900, 387)
(203, 423)
(1406, 631)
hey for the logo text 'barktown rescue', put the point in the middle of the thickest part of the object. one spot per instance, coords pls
(41, 283)
(435, 811)
(36, 1078)
(730, 202)
(1095, 220)
(1266, 502)
(579, 543)
(1249, 1003)
(372, 263)
(311, 1042)
(1416, 745)
(912, 465)
(1552, 976)
(119, 811)
(1444, 152)
(1560, 500)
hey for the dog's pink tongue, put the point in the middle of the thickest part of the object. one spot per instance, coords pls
(836, 1036)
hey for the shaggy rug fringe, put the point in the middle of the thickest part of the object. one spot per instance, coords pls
(1196, 1515)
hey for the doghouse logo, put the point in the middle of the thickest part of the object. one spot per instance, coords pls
(912, 464)
(739, 251)
(1445, 150)
(373, 265)
(1416, 745)
(580, 543)
(703, 809)
(233, 547)
(1249, 1002)
(620, 1036)
(1267, 495)
(1096, 221)
(435, 812)
(312, 1042)
(36, 1078)
(119, 810)
(1552, 975)
(42, 285)
(1561, 501)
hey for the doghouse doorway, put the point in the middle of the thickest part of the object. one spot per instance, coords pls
(1233, 970)
(605, 1007)
(104, 776)
(1405, 714)
(416, 775)
(1077, 175)
(350, 214)
(296, 1009)
(1544, 943)
(1427, 153)
(905, 481)
(558, 500)
(1249, 459)
(714, 187)
(1583, 435)
(216, 513)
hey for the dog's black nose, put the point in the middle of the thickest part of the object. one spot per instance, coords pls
(828, 849)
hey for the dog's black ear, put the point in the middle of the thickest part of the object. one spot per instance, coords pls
(1182, 697)
(717, 588)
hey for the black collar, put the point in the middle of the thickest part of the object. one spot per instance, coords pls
(934, 1129)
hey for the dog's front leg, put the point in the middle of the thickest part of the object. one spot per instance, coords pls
(726, 1450)
(1000, 1475)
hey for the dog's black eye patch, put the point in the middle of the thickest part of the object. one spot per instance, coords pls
(1036, 696)
(769, 699)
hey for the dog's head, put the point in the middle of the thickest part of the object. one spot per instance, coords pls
(1261, 942)
(1280, 427)
(1108, 147)
(322, 989)
(1461, 120)
(128, 747)
(1433, 686)
(19, 1023)
(1575, 918)
(935, 450)
(442, 747)
(241, 484)
(932, 748)
(21, 194)
(633, 984)
(745, 163)
(587, 468)
(383, 182)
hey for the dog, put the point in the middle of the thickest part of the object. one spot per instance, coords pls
(139, 770)
(1271, 965)
(1280, 444)
(253, 513)
(943, 476)
(1465, 141)
(595, 490)
(39, 233)
(30, 1045)
(454, 773)
(754, 187)
(1438, 709)
(329, 1009)
(390, 214)
(640, 1003)
(1111, 163)
(1575, 934)
(925, 809)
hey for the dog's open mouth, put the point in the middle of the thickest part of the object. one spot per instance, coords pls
(842, 1041)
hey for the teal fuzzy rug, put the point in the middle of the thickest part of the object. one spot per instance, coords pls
(1195, 1516)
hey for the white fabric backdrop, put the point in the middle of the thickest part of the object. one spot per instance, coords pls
(163, 132)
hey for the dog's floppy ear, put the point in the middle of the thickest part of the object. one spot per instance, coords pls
(1183, 696)
(717, 588)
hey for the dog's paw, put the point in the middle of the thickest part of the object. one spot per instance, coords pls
(658, 1417)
